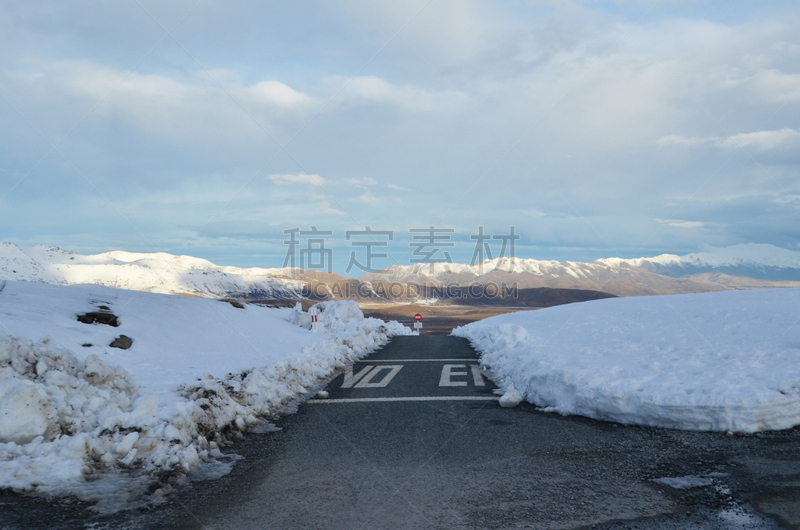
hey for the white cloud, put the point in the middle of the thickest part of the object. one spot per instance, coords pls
(186, 109)
(366, 181)
(461, 84)
(373, 89)
(681, 224)
(447, 31)
(366, 198)
(776, 86)
(334, 211)
(296, 178)
(536, 214)
(687, 141)
(762, 140)
(278, 94)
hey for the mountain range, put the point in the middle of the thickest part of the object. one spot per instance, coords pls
(743, 266)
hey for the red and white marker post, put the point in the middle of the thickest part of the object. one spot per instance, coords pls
(418, 323)
(314, 320)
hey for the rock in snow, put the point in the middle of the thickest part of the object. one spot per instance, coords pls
(123, 342)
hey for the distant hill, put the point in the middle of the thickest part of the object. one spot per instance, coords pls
(538, 283)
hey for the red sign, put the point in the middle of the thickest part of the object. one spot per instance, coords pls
(417, 317)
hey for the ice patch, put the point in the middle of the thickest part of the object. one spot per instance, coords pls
(684, 483)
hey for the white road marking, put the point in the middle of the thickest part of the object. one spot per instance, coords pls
(350, 379)
(448, 373)
(414, 398)
(477, 376)
(367, 381)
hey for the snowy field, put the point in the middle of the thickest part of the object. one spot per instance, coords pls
(725, 361)
(120, 427)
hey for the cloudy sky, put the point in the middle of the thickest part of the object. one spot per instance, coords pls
(597, 129)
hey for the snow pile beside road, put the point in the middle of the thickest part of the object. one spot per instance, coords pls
(332, 317)
(727, 361)
(46, 391)
(64, 420)
(122, 427)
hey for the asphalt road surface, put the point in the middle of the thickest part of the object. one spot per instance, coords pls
(413, 437)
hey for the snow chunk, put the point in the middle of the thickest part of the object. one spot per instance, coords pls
(25, 411)
(511, 398)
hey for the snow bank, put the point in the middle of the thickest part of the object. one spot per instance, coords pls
(726, 361)
(122, 427)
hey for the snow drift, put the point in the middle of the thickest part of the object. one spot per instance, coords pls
(122, 427)
(727, 361)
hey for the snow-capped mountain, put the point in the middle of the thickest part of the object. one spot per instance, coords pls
(740, 266)
(712, 269)
(619, 279)
(157, 272)
(766, 262)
